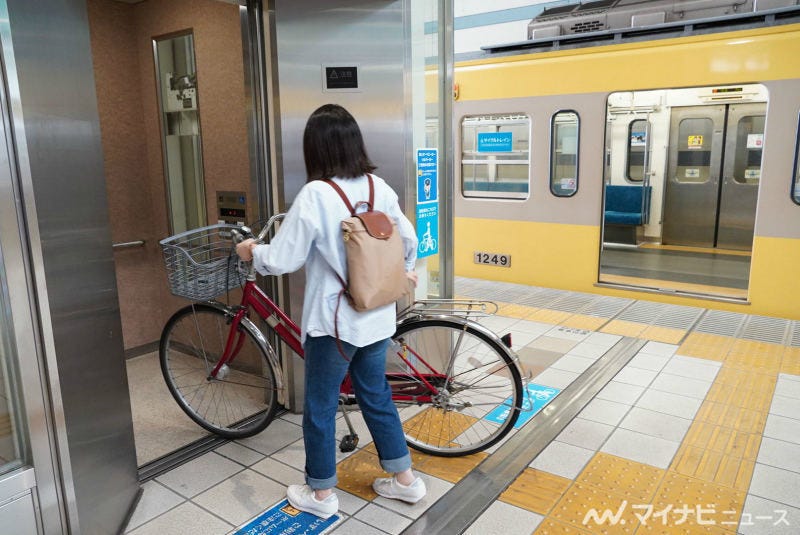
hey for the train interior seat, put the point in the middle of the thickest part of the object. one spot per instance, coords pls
(627, 209)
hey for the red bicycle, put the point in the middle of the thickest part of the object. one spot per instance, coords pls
(457, 386)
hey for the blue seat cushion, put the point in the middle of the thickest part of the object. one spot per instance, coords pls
(623, 218)
(624, 204)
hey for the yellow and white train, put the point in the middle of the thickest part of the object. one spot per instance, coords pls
(666, 166)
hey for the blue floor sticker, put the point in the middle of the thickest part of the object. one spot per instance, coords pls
(283, 519)
(534, 398)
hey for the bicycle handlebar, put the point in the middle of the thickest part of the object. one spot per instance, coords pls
(242, 233)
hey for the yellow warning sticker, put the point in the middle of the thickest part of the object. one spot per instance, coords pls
(695, 142)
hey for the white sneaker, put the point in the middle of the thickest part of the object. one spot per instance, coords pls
(389, 487)
(302, 497)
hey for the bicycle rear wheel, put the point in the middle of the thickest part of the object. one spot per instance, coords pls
(242, 399)
(477, 386)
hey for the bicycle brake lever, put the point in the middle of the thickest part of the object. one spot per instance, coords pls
(241, 233)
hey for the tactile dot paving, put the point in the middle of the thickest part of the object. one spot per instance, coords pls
(621, 476)
(437, 427)
(357, 472)
(678, 490)
(657, 526)
(663, 334)
(452, 469)
(624, 328)
(552, 527)
(536, 491)
(578, 502)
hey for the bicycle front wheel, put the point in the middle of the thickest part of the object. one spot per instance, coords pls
(241, 400)
(456, 388)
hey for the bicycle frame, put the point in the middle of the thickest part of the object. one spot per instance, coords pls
(415, 387)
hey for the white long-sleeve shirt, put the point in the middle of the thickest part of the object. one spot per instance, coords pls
(311, 235)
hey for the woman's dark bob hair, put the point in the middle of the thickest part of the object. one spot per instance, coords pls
(333, 146)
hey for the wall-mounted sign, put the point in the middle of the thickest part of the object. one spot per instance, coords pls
(340, 78)
(495, 142)
(427, 202)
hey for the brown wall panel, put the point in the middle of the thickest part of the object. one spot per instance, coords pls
(130, 123)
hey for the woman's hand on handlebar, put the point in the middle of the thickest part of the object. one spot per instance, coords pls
(245, 249)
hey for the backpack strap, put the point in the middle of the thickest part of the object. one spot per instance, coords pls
(369, 203)
(343, 291)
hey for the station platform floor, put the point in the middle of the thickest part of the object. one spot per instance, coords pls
(661, 419)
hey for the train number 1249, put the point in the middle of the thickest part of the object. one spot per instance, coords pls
(492, 259)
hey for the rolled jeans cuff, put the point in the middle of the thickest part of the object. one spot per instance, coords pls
(401, 464)
(321, 484)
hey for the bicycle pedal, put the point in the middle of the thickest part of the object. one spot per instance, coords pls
(348, 443)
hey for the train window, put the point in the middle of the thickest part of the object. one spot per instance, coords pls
(638, 150)
(796, 184)
(749, 144)
(495, 156)
(564, 135)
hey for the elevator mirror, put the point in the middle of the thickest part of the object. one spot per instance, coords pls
(180, 130)
(681, 188)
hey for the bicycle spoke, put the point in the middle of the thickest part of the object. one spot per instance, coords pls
(480, 382)
(243, 389)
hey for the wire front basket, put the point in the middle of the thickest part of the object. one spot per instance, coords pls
(202, 263)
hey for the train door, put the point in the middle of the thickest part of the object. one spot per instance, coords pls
(741, 174)
(714, 165)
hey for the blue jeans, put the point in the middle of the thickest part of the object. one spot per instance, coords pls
(325, 371)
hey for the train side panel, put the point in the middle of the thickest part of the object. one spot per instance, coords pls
(556, 241)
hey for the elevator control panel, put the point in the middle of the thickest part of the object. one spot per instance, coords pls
(231, 207)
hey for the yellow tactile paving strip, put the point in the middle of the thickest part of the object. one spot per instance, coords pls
(791, 361)
(713, 465)
(589, 323)
(536, 491)
(434, 423)
(512, 310)
(644, 331)
(712, 469)
(357, 472)
(706, 346)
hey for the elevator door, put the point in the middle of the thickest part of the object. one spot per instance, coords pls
(714, 167)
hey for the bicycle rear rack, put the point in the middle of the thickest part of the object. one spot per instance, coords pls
(464, 308)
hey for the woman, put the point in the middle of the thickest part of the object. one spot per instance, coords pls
(311, 235)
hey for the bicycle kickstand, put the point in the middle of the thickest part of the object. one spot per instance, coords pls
(349, 442)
